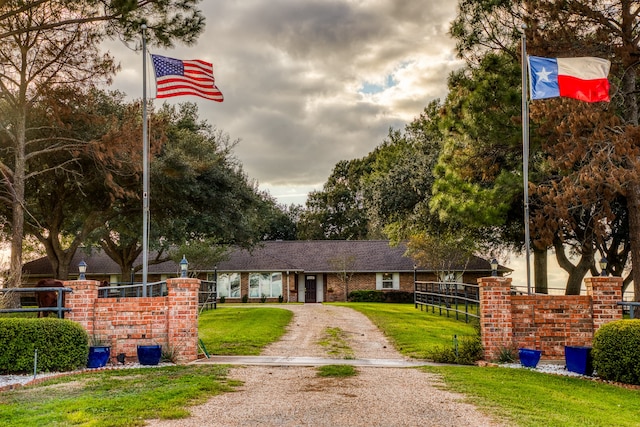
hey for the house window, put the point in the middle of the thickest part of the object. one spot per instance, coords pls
(387, 281)
(265, 284)
(228, 285)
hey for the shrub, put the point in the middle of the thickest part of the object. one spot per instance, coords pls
(467, 352)
(62, 345)
(245, 298)
(222, 299)
(381, 296)
(401, 297)
(366, 296)
(616, 351)
(508, 354)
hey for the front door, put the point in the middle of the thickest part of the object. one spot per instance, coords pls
(310, 289)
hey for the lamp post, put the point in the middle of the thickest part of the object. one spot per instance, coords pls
(494, 267)
(184, 266)
(82, 269)
(603, 267)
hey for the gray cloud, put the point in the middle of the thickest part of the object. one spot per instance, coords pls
(292, 74)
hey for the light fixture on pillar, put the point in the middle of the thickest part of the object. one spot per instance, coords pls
(82, 269)
(494, 267)
(603, 267)
(184, 266)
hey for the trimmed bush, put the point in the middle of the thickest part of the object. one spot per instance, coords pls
(401, 297)
(616, 351)
(62, 345)
(381, 296)
(366, 296)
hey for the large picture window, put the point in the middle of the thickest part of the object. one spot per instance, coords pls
(265, 284)
(229, 285)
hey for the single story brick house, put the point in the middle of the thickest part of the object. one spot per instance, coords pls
(296, 271)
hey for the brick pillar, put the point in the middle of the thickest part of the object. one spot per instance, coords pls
(82, 302)
(605, 293)
(182, 325)
(496, 326)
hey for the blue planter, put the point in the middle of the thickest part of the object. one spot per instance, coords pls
(149, 354)
(578, 359)
(98, 356)
(529, 358)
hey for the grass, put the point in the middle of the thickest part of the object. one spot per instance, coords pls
(519, 397)
(414, 333)
(527, 398)
(114, 398)
(337, 371)
(336, 345)
(241, 331)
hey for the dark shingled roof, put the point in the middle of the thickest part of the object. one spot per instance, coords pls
(315, 256)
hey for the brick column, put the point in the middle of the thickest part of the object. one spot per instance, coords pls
(496, 325)
(605, 293)
(82, 302)
(182, 319)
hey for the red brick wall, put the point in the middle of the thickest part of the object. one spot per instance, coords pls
(125, 323)
(544, 322)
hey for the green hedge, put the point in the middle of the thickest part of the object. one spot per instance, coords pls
(366, 296)
(381, 296)
(62, 345)
(616, 351)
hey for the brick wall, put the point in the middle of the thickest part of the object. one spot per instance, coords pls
(545, 322)
(125, 323)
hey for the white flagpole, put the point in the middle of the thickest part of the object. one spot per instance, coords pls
(525, 154)
(145, 168)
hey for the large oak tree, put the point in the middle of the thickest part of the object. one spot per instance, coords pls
(55, 43)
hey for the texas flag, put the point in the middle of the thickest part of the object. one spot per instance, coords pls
(580, 78)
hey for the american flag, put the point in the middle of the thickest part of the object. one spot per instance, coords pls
(175, 77)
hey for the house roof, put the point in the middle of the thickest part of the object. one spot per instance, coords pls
(314, 256)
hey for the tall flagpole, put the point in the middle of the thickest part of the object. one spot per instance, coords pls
(525, 155)
(145, 167)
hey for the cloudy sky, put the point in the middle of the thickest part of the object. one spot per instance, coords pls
(309, 83)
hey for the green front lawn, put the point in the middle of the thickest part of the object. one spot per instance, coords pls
(125, 397)
(239, 331)
(522, 397)
(414, 333)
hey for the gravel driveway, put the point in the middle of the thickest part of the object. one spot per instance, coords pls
(295, 396)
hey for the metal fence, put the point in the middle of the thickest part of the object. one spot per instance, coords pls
(58, 308)
(136, 290)
(461, 300)
(208, 295)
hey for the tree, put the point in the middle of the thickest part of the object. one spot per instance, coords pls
(199, 194)
(73, 192)
(54, 43)
(343, 263)
(445, 252)
(336, 212)
(574, 28)
(601, 149)
(398, 187)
